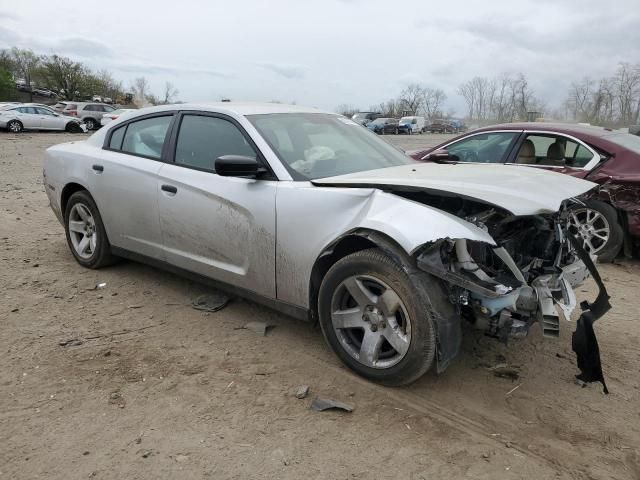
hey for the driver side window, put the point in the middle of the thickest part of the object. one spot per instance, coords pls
(490, 147)
(202, 139)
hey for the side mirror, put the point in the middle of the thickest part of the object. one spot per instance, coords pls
(238, 166)
(439, 156)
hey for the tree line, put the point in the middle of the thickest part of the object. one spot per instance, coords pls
(414, 99)
(610, 101)
(71, 80)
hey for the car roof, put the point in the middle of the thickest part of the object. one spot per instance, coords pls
(238, 108)
(578, 128)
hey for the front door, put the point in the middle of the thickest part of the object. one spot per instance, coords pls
(48, 121)
(220, 227)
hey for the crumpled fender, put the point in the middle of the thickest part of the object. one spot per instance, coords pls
(413, 224)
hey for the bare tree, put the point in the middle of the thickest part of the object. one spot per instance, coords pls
(26, 63)
(346, 110)
(432, 102)
(410, 99)
(140, 89)
(170, 92)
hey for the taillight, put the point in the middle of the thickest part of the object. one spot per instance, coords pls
(72, 112)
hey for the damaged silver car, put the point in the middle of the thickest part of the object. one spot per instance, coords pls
(309, 213)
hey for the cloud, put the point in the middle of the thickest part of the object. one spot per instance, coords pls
(152, 69)
(283, 69)
(82, 47)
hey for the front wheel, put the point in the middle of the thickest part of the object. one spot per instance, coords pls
(376, 319)
(86, 236)
(599, 229)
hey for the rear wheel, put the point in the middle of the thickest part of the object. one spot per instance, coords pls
(14, 126)
(86, 236)
(376, 319)
(598, 228)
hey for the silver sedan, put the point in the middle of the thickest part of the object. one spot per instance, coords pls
(16, 118)
(311, 214)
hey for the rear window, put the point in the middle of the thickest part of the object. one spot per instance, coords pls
(71, 106)
(146, 137)
(626, 140)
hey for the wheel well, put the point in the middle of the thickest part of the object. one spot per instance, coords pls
(346, 245)
(67, 191)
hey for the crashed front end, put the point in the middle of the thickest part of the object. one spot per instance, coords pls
(528, 277)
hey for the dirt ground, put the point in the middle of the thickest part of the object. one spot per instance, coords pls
(156, 389)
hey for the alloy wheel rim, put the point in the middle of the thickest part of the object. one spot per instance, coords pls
(370, 321)
(14, 127)
(592, 228)
(82, 231)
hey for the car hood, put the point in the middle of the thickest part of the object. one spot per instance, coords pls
(517, 189)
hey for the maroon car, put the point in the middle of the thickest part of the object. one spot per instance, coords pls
(610, 216)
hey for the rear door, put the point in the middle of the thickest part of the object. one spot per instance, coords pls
(557, 152)
(125, 183)
(29, 117)
(220, 227)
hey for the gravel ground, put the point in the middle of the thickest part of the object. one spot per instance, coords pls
(152, 388)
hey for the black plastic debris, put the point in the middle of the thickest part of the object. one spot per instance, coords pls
(211, 302)
(585, 344)
(583, 340)
(320, 404)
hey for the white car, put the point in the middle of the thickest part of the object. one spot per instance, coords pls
(26, 116)
(111, 116)
(413, 124)
(312, 215)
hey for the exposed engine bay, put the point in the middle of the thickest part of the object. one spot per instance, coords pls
(527, 277)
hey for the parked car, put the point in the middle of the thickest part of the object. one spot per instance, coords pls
(634, 130)
(387, 253)
(27, 116)
(410, 125)
(363, 118)
(384, 125)
(109, 117)
(43, 92)
(90, 113)
(607, 157)
(446, 126)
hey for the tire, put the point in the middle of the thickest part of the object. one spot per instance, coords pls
(396, 131)
(91, 123)
(366, 271)
(593, 221)
(73, 127)
(15, 126)
(97, 250)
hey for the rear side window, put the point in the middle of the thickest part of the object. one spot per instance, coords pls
(146, 137)
(115, 143)
(203, 139)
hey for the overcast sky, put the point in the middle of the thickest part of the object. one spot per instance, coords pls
(329, 52)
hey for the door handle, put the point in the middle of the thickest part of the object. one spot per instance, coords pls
(169, 189)
(98, 168)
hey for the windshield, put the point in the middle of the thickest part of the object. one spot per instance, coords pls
(626, 140)
(317, 145)
(408, 120)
